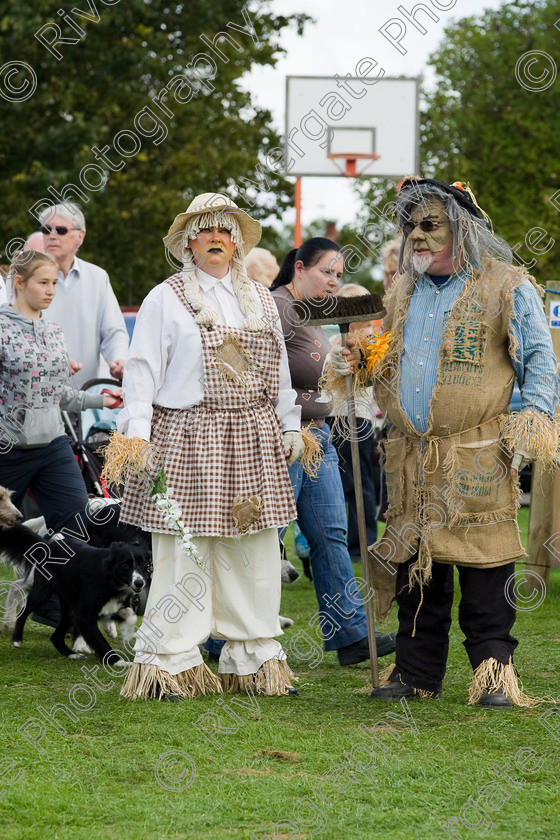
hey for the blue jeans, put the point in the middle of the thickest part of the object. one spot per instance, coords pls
(322, 518)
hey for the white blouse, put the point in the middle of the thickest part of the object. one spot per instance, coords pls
(164, 364)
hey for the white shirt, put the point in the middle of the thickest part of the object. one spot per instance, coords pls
(164, 364)
(86, 309)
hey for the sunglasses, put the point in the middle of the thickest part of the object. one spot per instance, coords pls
(426, 225)
(60, 230)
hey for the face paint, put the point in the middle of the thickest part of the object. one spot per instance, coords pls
(213, 246)
(435, 240)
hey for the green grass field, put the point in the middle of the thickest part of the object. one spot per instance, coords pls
(289, 768)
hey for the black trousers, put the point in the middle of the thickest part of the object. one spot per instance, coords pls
(485, 617)
(53, 476)
(366, 441)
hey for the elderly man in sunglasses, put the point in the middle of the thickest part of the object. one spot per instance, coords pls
(85, 306)
(464, 325)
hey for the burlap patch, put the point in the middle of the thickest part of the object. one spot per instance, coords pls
(395, 452)
(479, 485)
(468, 342)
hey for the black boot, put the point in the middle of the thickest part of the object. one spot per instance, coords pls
(396, 690)
(359, 651)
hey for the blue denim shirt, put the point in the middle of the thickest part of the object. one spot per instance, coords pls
(535, 369)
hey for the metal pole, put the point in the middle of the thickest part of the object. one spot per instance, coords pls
(297, 230)
(360, 511)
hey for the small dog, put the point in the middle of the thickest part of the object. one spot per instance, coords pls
(89, 582)
(289, 571)
(98, 525)
(103, 528)
(289, 575)
(9, 514)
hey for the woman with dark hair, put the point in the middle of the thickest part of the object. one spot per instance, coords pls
(310, 272)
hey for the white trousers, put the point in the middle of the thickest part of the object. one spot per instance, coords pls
(235, 597)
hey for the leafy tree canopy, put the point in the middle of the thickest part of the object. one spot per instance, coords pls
(492, 119)
(102, 87)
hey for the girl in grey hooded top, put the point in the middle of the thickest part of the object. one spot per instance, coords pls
(35, 453)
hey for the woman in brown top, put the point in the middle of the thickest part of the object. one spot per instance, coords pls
(310, 272)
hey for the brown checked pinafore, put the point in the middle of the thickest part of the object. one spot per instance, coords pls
(228, 449)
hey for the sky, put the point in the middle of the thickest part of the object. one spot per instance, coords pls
(344, 32)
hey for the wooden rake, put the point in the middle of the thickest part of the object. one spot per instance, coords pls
(344, 311)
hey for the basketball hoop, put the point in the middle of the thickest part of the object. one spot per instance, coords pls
(349, 167)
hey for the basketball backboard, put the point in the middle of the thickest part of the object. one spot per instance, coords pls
(371, 123)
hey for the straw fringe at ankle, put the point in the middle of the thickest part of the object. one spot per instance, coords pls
(492, 676)
(386, 673)
(383, 680)
(272, 679)
(199, 680)
(149, 682)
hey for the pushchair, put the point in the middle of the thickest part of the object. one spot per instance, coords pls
(89, 432)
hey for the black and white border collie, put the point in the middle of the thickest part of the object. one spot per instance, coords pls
(89, 582)
(105, 578)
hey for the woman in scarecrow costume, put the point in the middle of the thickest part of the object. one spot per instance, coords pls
(464, 323)
(207, 383)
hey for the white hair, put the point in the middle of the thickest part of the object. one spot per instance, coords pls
(262, 266)
(34, 242)
(473, 238)
(70, 212)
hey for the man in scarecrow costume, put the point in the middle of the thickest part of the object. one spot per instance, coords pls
(464, 324)
(207, 384)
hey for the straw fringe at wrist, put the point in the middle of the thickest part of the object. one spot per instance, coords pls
(272, 679)
(128, 453)
(149, 682)
(492, 676)
(534, 431)
(312, 457)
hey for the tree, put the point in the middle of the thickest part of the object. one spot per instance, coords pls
(493, 119)
(140, 107)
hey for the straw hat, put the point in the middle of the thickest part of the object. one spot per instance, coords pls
(212, 203)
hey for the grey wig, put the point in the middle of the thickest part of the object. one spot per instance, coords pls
(474, 242)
